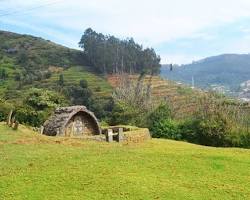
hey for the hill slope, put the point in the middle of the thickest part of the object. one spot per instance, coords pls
(39, 167)
(229, 70)
(182, 99)
(29, 62)
(39, 64)
(32, 62)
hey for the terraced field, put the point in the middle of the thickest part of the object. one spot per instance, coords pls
(73, 75)
(10, 70)
(182, 99)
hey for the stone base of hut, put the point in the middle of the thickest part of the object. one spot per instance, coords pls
(139, 135)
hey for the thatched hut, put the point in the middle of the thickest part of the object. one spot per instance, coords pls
(74, 121)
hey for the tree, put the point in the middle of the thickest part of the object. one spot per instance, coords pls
(79, 95)
(61, 80)
(3, 74)
(108, 54)
(17, 77)
(22, 57)
(40, 99)
(132, 99)
(83, 84)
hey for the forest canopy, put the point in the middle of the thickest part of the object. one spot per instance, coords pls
(108, 54)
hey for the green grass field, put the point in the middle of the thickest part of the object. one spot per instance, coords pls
(39, 167)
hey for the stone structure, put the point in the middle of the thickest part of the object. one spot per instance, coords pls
(74, 121)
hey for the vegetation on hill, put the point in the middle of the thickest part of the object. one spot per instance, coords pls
(177, 112)
(37, 76)
(39, 167)
(108, 54)
(29, 64)
(229, 70)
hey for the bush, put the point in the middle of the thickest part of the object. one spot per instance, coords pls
(166, 129)
(5, 108)
(162, 112)
(29, 116)
(124, 114)
(78, 95)
(211, 126)
(37, 106)
(212, 131)
(83, 84)
(189, 130)
(239, 138)
(40, 99)
(161, 125)
(245, 140)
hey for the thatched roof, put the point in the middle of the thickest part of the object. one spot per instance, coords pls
(62, 116)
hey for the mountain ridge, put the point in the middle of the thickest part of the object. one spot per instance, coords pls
(225, 70)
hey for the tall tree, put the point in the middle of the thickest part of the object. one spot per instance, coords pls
(108, 54)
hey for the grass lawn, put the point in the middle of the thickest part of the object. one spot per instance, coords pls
(39, 167)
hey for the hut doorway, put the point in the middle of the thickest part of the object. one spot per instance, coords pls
(75, 127)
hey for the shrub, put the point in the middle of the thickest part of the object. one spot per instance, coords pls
(189, 130)
(29, 116)
(83, 83)
(239, 138)
(162, 112)
(245, 140)
(78, 95)
(212, 131)
(5, 108)
(210, 126)
(41, 99)
(166, 129)
(125, 114)
(161, 125)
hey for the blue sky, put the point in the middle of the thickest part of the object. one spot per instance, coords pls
(180, 31)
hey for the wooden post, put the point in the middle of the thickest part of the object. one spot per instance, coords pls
(57, 132)
(16, 124)
(9, 118)
(41, 130)
(12, 121)
(109, 135)
(120, 135)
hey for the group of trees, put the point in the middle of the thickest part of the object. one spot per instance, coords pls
(108, 54)
(3, 74)
(37, 106)
(215, 123)
(132, 100)
(78, 94)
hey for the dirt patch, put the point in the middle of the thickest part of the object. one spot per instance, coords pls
(43, 140)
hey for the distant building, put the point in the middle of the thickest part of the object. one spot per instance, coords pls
(11, 51)
(244, 94)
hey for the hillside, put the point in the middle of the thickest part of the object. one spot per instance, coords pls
(224, 72)
(39, 167)
(182, 99)
(32, 62)
(39, 62)
(31, 66)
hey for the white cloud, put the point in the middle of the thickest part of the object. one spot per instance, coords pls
(149, 22)
(154, 21)
(179, 58)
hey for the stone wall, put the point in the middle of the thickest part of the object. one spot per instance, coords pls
(137, 136)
